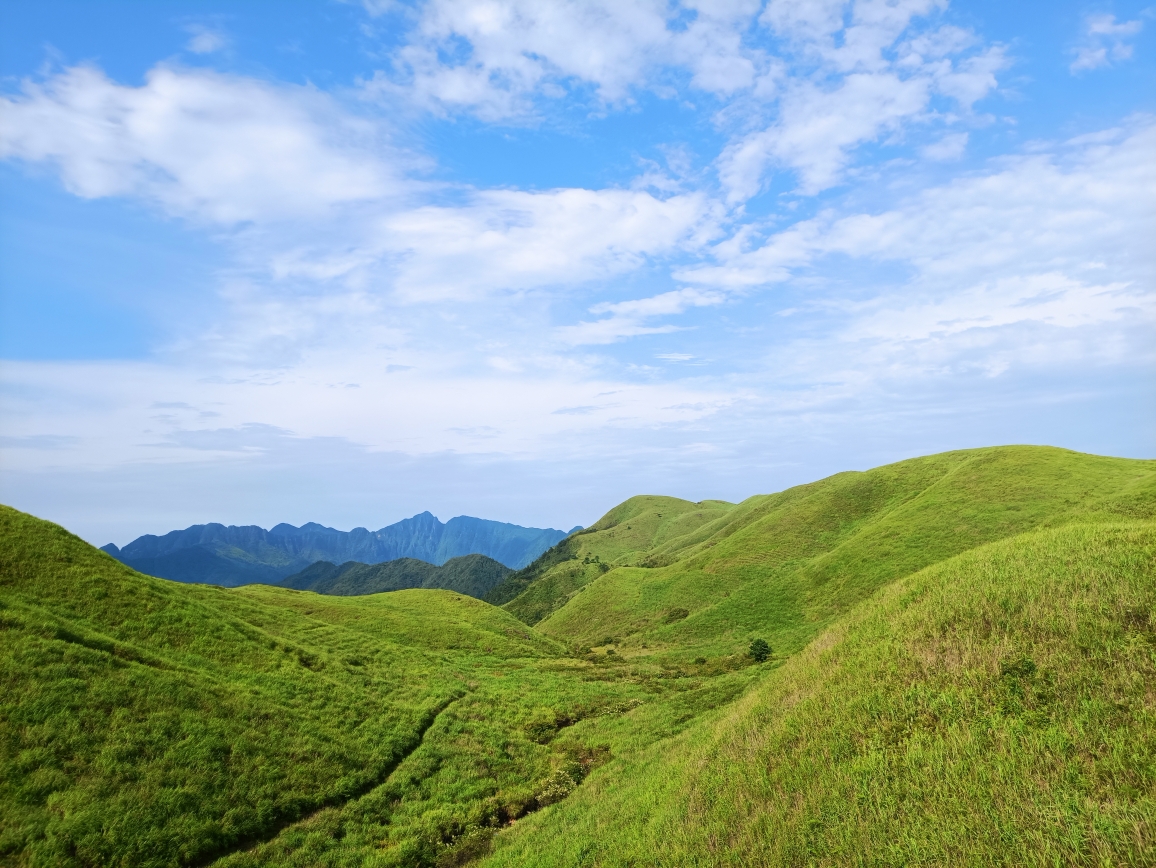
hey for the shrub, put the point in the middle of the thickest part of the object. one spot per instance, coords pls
(675, 615)
(760, 650)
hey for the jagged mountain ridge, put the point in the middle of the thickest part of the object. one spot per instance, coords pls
(237, 555)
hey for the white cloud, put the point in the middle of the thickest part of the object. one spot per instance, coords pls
(818, 128)
(496, 57)
(866, 85)
(1050, 299)
(1083, 202)
(205, 40)
(950, 147)
(1104, 41)
(490, 243)
(865, 69)
(514, 47)
(199, 144)
(102, 414)
(512, 240)
(629, 318)
(1041, 261)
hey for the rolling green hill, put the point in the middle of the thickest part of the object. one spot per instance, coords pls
(994, 709)
(474, 575)
(640, 530)
(781, 566)
(146, 722)
(964, 648)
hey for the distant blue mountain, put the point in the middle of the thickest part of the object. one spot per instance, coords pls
(230, 556)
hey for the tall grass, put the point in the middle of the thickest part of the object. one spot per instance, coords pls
(996, 709)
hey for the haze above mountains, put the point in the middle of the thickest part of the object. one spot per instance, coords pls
(232, 555)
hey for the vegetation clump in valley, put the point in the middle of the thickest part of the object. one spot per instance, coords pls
(473, 574)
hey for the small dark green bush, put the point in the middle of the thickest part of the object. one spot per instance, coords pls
(760, 650)
(1024, 667)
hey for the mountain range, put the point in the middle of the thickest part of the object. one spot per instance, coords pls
(231, 555)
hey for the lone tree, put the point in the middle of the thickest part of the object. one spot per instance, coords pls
(760, 650)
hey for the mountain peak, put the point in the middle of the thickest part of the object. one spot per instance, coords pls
(241, 555)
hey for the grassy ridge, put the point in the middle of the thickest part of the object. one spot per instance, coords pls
(996, 708)
(781, 566)
(638, 530)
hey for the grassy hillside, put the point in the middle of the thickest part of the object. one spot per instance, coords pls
(145, 722)
(474, 575)
(964, 651)
(781, 566)
(641, 530)
(993, 709)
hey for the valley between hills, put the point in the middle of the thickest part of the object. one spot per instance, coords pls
(959, 669)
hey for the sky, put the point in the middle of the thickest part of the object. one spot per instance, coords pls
(345, 262)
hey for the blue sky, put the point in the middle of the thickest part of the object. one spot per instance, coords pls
(344, 262)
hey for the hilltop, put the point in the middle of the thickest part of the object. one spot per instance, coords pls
(961, 654)
(232, 556)
(689, 579)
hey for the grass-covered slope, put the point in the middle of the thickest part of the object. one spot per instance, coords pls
(474, 575)
(781, 566)
(640, 530)
(149, 723)
(994, 709)
(946, 689)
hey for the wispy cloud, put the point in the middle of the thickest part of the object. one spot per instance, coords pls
(1104, 42)
(496, 59)
(204, 39)
(631, 318)
(200, 144)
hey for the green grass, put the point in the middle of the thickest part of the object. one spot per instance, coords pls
(782, 566)
(637, 530)
(962, 670)
(995, 709)
(146, 722)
